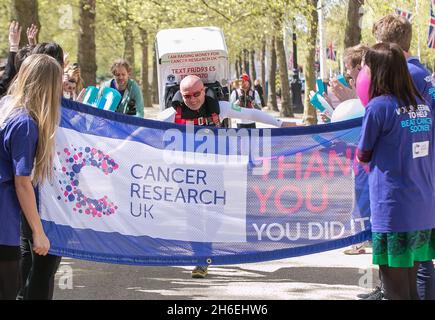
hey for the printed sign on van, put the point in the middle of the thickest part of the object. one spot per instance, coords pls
(209, 66)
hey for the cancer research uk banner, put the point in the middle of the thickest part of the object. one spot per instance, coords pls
(136, 191)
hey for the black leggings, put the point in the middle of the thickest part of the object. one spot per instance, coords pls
(399, 283)
(38, 273)
(9, 279)
(247, 125)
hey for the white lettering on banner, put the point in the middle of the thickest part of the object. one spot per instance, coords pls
(124, 186)
(204, 146)
(313, 230)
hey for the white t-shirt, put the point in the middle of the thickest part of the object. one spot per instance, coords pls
(230, 110)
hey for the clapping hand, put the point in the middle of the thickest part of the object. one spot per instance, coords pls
(342, 92)
(324, 118)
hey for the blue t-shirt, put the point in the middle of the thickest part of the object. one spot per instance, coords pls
(422, 80)
(399, 146)
(18, 142)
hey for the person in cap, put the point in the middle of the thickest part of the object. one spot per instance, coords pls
(246, 97)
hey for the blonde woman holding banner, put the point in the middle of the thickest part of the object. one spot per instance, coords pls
(28, 120)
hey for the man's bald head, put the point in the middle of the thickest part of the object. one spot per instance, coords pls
(192, 90)
(189, 82)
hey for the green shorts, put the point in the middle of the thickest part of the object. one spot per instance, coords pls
(402, 249)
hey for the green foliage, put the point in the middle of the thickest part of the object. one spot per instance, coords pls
(59, 23)
(4, 27)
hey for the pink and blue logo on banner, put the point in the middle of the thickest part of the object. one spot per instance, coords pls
(74, 160)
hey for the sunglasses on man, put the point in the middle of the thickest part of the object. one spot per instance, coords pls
(194, 95)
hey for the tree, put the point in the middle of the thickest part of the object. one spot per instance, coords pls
(245, 28)
(129, 46)
(146, 92)
(263, 66)
(286, 107)
(26, 13)
(352, 35)
(87, 49)
(276, 15)
(236, 67)
(5, 15)
(272, 102)
(310, 114)
(245, 61)
(252, 71)
(240, 69)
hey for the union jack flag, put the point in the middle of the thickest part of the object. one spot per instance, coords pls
(331, 53)
(404, 13)
(431, 35)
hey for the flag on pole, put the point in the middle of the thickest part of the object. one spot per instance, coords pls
(331, 53)
(431, 35)
(404, 13)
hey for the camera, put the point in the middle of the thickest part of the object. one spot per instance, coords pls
(131, 107)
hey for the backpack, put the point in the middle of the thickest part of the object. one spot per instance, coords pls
(251, 99)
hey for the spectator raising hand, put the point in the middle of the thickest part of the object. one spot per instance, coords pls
(342, 92)
(14, 36)
(32, 33)
(66, 60)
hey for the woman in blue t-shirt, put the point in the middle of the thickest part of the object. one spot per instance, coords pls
(397, 141)
(28, 120)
